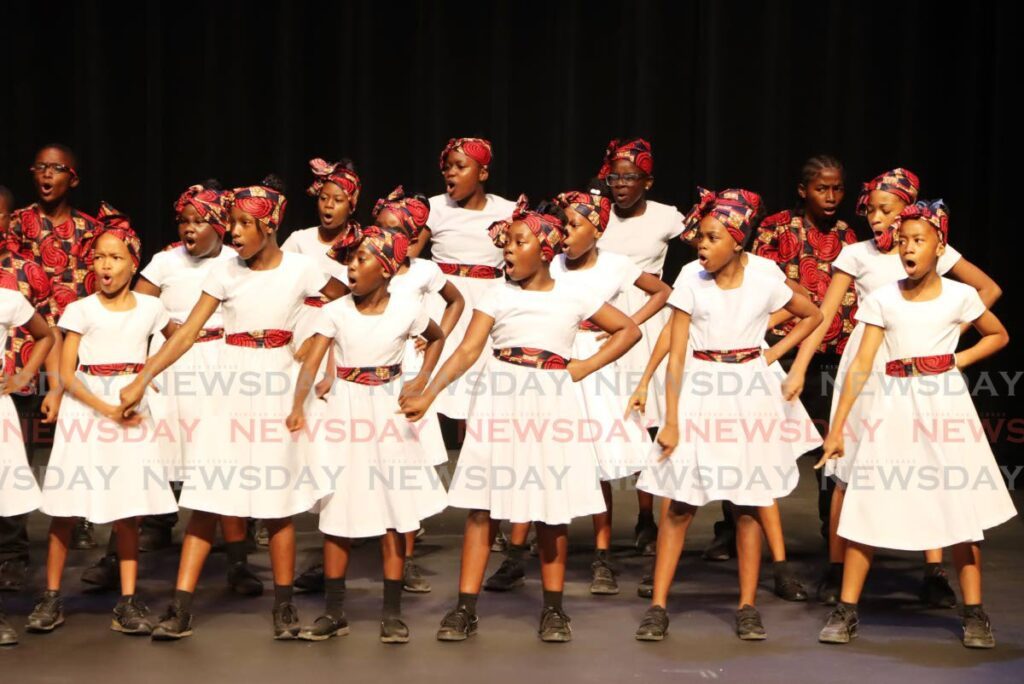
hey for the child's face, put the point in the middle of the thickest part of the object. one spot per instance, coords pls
(196, 233)
(53, 185)
(522, 253)
(365, 272)
(5, 219)
(715, 246)
(462, 175)
(334, 206)
(628, 183)
(920, 248)
(581, 234)
(823, 194)
(883, 208)
(112, 263)
(387, 220)
(248, 235)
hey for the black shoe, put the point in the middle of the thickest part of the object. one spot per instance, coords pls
(154, 539)
(977, 629)
(82, 537)
(841, 626)
(175, 623)
(12, 574)
(510, 575)
(412, 578)
(105, 574)
(554, 626)
(311, 579)
(286, 621)
(646, 587)
(243, 580)
(131, 616)
(8, 636)
(458, 625)
(653, 626)
(603, 578)
(262, 536)
(393, 630)
(935, 590)
(646, 532)
(48, 614)
(831, 585)
(500, 543)
(723, 546)
(748, 624)
(788, 587)
(325, 627)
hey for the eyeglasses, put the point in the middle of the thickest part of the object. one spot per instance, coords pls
(625, 178)
(40, 167)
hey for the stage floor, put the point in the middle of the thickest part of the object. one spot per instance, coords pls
(899, 639)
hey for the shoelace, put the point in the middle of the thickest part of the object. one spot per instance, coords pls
(653, 618)
(555, 619)
(134, 608)
(288, 613)
(458, 620)
(413, 570)
(602, 571)
(749, 621)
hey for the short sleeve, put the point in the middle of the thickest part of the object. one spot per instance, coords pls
(20, 312)
(489, 303)
(73, 319)
(780, 294)
(870, 311)
(682, 297)
(324, 324)
(847, 261)
(948, 260)
(589, 304)
(437, 280)
(215, 283)
(291, 244)
(674, 226)
(155, 271)
(971, 307)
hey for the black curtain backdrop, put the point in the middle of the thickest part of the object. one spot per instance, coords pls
(156, 96)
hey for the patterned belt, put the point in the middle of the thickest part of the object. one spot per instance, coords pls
(727, 355)
(260, 339)
(315, 302)
(920, 365)
(470, 271)
(210, 334)
(111, 369)
(590, 327)
(531, 357)
(370, 375)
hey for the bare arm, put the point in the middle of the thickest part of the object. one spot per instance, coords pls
(455, 304)
(829, 307)
(659, 292)
(623, 334)
(668, 436)
(993, 338)
(810, 317)
(44, 340)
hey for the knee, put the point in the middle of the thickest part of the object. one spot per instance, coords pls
(476, 517)
(679, 513)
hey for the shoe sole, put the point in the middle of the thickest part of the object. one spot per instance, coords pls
(645, 593)
(142, 631)
(508, 587)
(978, 643)
(416, 590)
(248, 594)
(286, 636)
(35, 629)
(394, 639)
(838, 639)
(15, 588)
(752, 637)
(455, 636)
(604, 591)
(792, 599)
(324, 637)
(649, 637)
(557, 639)
(167, 636)
(9, 642)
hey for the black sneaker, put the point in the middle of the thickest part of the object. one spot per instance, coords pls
(935, 590)
(646, 587)
(175, 623)
(603, 578)
(977, 628)
(841, 626)
(653, 626)
(646, 532)
(311, 579)
(723, 546)
(393, 630)
(8, 635)
(412, 578)
(47, 615)
(831, 585)
(787, 586)
(131, 616)
(154, 539)
(82, 537)
(510, 575)
(286, 621)
(325, 627)
(243, 580)
(554, 626)
(500, 543)
(748, 624)
(105, 574)
(458, 625)
(12, 574)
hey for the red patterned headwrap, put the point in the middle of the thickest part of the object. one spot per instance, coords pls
(115, 223)
(261, 203)
(594, 208)
(477, 149)
(636, 151)
(412, 212)
(341, 248)
(546, 227)
(735, 208)
(326, 172)
(934, 212)
(900, 182)
(211, 205)
(389, 247)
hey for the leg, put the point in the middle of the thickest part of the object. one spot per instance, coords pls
(461, 622)
(855, 571)
(392, 550)
(787, 586)
(57, 551)
(675, 521)
(976, 625)
(603, 521)
(645, 531)
(748, 561)
(723, 546)
(553, 541)
(412, 577)
(520, 534)
(241, 577)
(194, 549)
(13, 552)
(935, 589)
(333, 622)
(282, 565)
(127, 531)
(602, 580)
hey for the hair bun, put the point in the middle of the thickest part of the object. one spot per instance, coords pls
(273, 182)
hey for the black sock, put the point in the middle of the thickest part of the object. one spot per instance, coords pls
(283, 594)
(468, 601)
(183, 599)
(334, 593)
(602, 555)
(780, 567)
(236, 552)
(848, 606)
(645, 517)
(392, 598)
(553, 599)
(517, 552)
(127, 597)
(932, 569)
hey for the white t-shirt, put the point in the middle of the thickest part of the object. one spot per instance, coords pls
(114, 336)
(180, 278)
(423, 278)
(545, 320)
(362, 340)
(263, 300)
(754, 262)
(644, 238)
(459, 236)
(871, 269)
(612, 275)
(729, 319)
(921, 328)
(307, 241)
(15, 311)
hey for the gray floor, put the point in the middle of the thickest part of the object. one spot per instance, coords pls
(900, 640)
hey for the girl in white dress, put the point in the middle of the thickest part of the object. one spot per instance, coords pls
(385, 485)
(869, 265)
(523, 458)
(738, 441)
(926, 478)
(103, 466)
(261, 472)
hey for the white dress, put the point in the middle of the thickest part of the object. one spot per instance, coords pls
(644, 239)
(382, 478)
(423, 279)
(99, 470)
(256, 469)
(19, 492)
(737, 442)
(623, 445)
(870, 269)
(924, 477)
(525, 457)
(459, 236)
